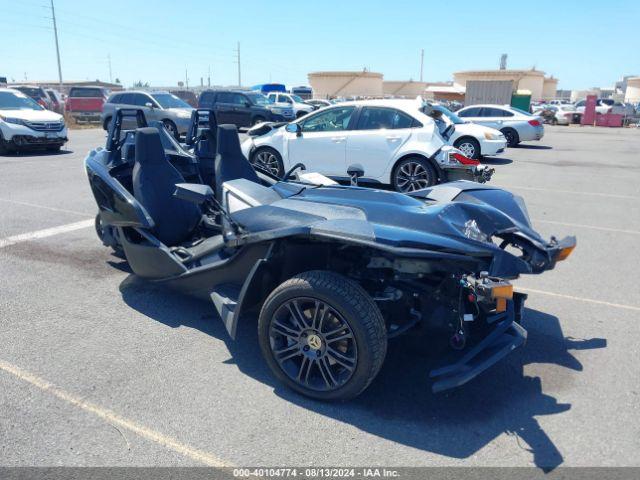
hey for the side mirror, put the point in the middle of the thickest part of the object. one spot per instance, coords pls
(355, 172)
(149, 105)
(294, 128)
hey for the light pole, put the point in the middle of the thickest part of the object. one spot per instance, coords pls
(55, 32)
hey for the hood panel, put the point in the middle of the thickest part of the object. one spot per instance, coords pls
(32, 115)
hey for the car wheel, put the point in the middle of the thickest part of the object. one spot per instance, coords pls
(106, 123)
(412, 174)
(268, 159)
(257, 120)
(171, 128)
(322, 335)
(470, 147)
(511, 136)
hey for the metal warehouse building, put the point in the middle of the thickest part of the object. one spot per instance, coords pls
(541, 87)
(346, 84)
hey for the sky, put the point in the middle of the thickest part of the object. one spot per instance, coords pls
(582, 43)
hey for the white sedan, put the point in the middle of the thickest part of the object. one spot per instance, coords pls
(393, 141)
(474, 140)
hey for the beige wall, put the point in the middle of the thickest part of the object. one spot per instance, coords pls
(345, 84)
(632, 94)
(403, 88)
(532, 80)
(549, 88)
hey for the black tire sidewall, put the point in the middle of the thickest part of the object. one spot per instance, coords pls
(171, 127)
(476, 146)
(274, 152)
(257, 119)
(510, 131)
(362, 376)
(425, 163)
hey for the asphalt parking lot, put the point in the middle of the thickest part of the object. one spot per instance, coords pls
(99, 369)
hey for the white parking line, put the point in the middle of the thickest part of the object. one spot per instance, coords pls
(113, 418)
(47, 232)
(593, 227)
(574, 192)
(44, 207)
(580, 299)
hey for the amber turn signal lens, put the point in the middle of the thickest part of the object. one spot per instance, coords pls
(565, 252)
(501, 305)
(502, 292)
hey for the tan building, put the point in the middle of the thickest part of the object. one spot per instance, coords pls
(346, 84)
(407, 88)
(632, 93)
(532, 80)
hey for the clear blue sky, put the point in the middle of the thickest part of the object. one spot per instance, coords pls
(583, 43)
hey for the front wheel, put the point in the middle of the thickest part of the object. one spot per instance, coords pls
(269, 160)
(257, 120)
(412, 174)
(469, 147)
(322, 335)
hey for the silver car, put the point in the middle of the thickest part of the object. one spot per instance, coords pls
(173, 112)
(516, 125)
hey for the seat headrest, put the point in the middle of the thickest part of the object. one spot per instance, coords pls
(149, 149)
(228, 140)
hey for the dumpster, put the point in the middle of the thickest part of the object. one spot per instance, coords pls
(521, 99)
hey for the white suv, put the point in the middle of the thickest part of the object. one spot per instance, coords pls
(300, 108)
(24, 124)
(393, 141)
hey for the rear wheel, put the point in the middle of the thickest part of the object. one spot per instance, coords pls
(413, 173)
(511, 136)
(257, 120)
(322, 335)
(470, 147)
(268, 159)
(171, 128)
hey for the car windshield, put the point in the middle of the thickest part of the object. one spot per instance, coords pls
(523, 112)
(449, 114)
(167, 100)
(259, 99)
(17, 101)
(297, 99)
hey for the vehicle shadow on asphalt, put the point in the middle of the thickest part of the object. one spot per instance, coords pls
(496, 161)
(532, 147)
(35, 153)
(399, 405)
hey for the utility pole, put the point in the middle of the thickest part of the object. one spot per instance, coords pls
(186, 77)
(421, 62)
(239, 73)
(55, 32)
(209, 77)
(110, 75)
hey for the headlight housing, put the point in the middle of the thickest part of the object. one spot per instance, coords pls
(492, 136)
(17, 121)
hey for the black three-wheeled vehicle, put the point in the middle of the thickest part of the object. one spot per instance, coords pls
(334, 270)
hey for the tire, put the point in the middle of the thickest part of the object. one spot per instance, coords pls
(469, 146)
(257, 120)
(266, 158)
(105, 124)
(512, 137)
(338, 372)
(117, 248)
(171, 128)
(413, 173)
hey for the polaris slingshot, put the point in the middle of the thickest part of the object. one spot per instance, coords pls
(334, 270)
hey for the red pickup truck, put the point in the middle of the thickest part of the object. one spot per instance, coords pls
(84, 104)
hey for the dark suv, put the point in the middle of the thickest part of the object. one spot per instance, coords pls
(243, 108)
